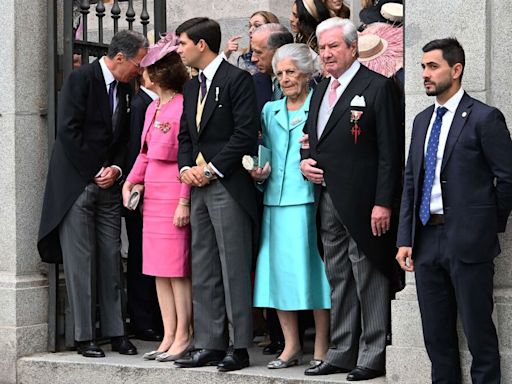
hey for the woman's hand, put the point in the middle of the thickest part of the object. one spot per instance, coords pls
(261, 174)
(182, 213)
(231, 46)
(127, 190)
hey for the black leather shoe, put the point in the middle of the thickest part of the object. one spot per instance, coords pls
(123, 345)
(362, 373)
(148, 335)
(201, 358)
(88, 349)
(324, 369)
(274, 348)
(235, 359)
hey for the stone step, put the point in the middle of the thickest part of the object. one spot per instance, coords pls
(69, 367)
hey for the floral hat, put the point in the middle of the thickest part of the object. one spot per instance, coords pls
(168, 43)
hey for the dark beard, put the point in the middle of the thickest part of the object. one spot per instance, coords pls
(440, 88)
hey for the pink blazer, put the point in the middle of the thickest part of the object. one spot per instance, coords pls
(160, 144)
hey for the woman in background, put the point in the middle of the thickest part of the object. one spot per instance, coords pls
(306, 15)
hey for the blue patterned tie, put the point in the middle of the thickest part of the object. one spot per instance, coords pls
(111, 90)
(277, 93)
(203, 85)
(430, 165)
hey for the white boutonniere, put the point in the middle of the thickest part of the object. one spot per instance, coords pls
(128, 105)
(358, 101)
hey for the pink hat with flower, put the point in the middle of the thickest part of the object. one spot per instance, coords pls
(168, 43)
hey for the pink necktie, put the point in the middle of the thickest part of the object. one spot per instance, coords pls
(332, 93)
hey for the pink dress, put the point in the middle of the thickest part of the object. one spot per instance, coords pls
(166, 248)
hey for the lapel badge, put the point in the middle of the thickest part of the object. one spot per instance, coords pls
(464, 114)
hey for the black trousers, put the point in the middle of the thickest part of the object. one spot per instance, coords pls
(446, 285)
(142, 305)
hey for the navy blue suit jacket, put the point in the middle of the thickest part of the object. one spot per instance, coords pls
(476, 181)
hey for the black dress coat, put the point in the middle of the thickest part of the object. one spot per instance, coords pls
(228, 131)
(363, 174)
(85, 142)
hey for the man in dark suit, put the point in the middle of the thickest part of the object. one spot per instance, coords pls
(353, 160)
(142, 301)
(457, 196)
(219, 126)
(265, 40)
(81, 216)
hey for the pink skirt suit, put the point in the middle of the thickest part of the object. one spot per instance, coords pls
(166, 248)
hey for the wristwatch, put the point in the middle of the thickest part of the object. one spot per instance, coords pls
(207, 173)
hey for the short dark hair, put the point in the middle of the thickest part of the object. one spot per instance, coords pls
(169, 72)
(202, 28)
(128, 43)
(453, 52)
(278, 39)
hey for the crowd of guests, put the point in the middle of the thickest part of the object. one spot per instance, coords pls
(313, 217)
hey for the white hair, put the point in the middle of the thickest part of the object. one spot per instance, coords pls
(347, 27)
(302, 56)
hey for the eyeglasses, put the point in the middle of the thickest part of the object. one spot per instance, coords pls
(137, 65)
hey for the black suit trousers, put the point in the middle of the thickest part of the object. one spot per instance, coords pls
(446, 285)
(143, 308)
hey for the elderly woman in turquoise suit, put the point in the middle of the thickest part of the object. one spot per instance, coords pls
(290, 274)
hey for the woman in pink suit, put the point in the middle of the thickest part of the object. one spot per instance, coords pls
(166, 208)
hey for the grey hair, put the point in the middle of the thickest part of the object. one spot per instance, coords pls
(347, 27)
(300, 54)
(278, 35)
(128, 43)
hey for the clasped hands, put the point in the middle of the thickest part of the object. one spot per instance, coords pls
(194, 176)
(107, 177)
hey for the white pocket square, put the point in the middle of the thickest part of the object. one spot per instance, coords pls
(358, 101)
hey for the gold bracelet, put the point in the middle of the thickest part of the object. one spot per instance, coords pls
(184, 204)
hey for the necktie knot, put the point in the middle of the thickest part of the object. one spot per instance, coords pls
(335, 84)
(440, 111)
(277, 93)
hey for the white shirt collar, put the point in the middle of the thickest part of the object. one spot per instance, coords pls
(151, 94)
(211, 68)
(453, 102)
(107, 75)
(347, 76)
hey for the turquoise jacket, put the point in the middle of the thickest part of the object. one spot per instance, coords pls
(285, 185)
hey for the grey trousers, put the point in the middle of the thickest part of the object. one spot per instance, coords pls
(90, 241)
(221, 267)
(359, 296)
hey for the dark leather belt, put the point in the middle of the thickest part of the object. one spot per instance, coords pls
(435, 219)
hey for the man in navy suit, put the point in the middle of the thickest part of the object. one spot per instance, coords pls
(457, 196)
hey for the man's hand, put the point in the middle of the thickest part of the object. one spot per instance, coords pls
(107, 177)
(194, 176)
(404, 258)
(380, 220)
(231, 45)
(310, 172)
(261, 174)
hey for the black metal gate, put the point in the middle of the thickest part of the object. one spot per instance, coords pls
(77, 35)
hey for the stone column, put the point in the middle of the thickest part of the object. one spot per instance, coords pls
(486, 36)
(23, 160)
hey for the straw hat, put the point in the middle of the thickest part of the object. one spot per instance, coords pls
(373, 14)
(393, 12)
(381, 48)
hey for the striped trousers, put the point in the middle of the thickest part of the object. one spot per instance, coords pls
(359, 296)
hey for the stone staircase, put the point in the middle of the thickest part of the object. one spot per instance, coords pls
(69, 367)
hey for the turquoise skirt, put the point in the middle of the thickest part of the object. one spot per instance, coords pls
(290, 274)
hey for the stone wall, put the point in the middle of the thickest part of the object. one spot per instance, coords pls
(484, 31)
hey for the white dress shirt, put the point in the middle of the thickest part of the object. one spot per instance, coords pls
(209, 72)
(325, 109)
(109, 78)
(436, 198)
